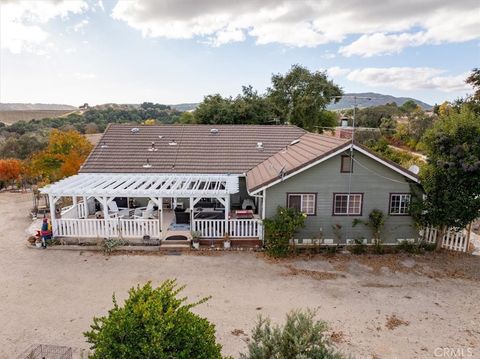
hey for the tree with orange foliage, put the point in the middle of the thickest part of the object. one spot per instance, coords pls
(10, 171)
(65, 153)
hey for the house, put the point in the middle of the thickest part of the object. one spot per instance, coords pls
(165, 180)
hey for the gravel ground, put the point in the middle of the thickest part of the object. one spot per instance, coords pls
(391, 306)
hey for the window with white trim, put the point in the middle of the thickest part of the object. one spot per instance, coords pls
(304, 202)
(345, 204)
(399, 203)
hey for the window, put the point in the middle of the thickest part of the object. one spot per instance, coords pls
(346, 165)
(399, 203)
(344, 204)
(304, 202)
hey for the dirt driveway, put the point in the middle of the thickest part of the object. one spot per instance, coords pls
(379, 307)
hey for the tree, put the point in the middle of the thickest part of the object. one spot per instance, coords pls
(153, 323)
(300, 96)
(65, 153)
(10, 170)
(187, 118)
(451, 178)
(301, 337)
(91, 127)
(409, 106)
(474, 80)
(21, 147)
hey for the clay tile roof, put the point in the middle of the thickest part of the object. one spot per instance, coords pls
(310, 148)
(232, 150)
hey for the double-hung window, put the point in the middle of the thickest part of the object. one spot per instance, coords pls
(399, 204)
(345, 204)
(304, 202)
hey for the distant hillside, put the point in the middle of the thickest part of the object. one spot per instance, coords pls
(35, 107)
(183, 107)
(377, 99)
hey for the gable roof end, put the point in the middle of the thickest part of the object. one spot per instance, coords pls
(310, 150)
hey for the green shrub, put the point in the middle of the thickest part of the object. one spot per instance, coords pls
(280, 229)
(111, 243)
(301, 337)
(376, 222)
(428, 247)
(409, 247)
(153, 323)
(359, 247)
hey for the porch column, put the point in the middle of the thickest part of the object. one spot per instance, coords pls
(51, 201)
(85, 206)
(264, 203)
(75, 205)
(105, 216)
(227, 210)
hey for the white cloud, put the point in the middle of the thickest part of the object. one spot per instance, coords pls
(409, 78)
(80, 26)
(439, 28)
(21, 22)
(336, 71)
(84, 76)
(384, 27)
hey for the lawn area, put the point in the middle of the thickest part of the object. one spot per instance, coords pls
(391, 306)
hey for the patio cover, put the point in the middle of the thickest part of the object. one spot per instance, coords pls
(144, 185)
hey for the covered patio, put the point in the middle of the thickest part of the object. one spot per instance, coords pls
(133, 206)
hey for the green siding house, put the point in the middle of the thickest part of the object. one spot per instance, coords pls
(334, 185)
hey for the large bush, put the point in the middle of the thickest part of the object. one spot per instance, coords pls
(301, 337)
(280, 229)
(153, 323)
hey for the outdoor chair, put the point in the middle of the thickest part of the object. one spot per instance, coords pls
(145, 212)
(114, 211)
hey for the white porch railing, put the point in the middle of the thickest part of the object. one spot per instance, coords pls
(237, 228)
(209, 228)
(92, 228)
(452, 240)
(244, 228)
(135, 228)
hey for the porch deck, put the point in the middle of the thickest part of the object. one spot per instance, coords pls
(161, 226)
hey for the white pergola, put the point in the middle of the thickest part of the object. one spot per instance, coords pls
(144, 185)
(106, 187)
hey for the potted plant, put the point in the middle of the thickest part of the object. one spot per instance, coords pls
(227, 243)
(196, 239)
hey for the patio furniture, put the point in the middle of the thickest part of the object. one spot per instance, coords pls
(248, 204)
(244, 214)
(182, 217)
(114, 211)
(145, 212)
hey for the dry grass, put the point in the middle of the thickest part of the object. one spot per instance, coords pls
(318, 275)
(394, 322)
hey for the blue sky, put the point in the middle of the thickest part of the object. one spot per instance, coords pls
(170, 51)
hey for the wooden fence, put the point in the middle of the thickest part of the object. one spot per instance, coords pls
(452, 240)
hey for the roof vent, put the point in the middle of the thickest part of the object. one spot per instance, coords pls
(152, 147)
(172, 143)
(414, 168)
(135, 130)
(214, 131)
(104, 145)
(294, 142)
(160, 137)
(147, 164)
(259, 146)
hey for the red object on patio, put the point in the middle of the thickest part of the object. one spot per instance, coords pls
(244, 214)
